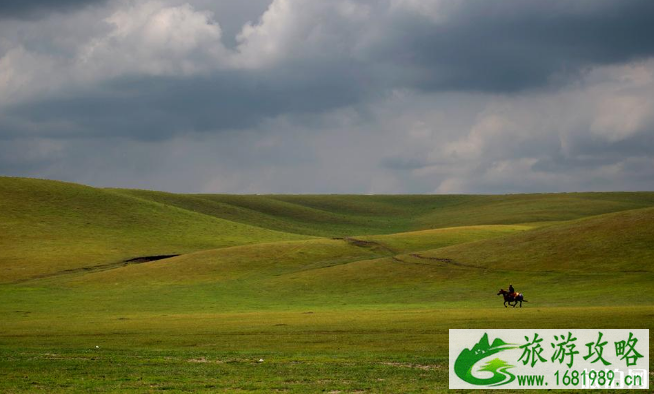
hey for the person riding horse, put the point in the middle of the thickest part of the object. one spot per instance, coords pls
(511, 296)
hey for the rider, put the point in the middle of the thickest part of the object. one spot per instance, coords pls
(511, 291)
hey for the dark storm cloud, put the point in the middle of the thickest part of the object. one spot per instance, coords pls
(502, 46)
(38, 8)
(588, 153)
(376, 96)
(158, 107)
(505, 46)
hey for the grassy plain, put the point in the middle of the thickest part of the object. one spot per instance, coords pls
(333, 293)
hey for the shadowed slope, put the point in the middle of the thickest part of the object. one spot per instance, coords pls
(349, 215)
(262, 211)
(438, 238)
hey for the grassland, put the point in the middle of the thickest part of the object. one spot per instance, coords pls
(334, 293)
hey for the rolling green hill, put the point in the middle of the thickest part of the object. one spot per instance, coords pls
(615, 242)
(48, 227)
(458, 266)
(279, 259)
(51, 228)
(351, 215)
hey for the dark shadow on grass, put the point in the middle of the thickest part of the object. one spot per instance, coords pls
(100, 267)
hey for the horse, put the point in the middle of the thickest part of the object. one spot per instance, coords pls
(508, 297)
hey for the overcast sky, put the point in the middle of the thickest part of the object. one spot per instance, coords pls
(333, 96)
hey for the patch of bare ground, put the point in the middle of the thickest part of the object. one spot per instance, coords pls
(100, 267)
(366, 244)
(445, 261)
(424, 367)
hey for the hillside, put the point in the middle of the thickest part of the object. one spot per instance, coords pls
(616, 242)
(460, 266)
(352, 215)
(266, 260)
(48, 226)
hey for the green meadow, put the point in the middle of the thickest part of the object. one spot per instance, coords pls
(297, 293)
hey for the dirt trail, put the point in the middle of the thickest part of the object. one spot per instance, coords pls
(147, 259)
(447, 261)
(372, 244)
(366, 244)
(99, 267)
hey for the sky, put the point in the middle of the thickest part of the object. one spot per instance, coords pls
(330, 96)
